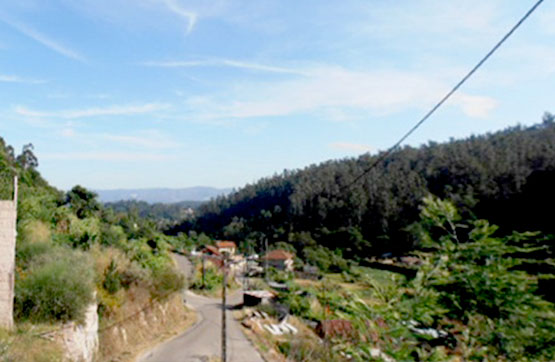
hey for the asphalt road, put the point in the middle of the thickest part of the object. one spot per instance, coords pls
(202, 342)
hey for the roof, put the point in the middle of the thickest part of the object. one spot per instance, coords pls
(278, 254)
(224, 244)
(212, 249)
(260, 293)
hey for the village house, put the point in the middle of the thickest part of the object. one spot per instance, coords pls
(280, 259)
(226, 247)
(210, 250)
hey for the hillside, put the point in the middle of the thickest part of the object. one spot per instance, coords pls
(71, 253)
(505, 177)
(162, 213)
(162, 195)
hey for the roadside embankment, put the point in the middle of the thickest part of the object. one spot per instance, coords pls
(142, 328)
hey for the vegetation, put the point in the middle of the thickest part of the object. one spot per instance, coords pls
(70, 248)
(502, 177)
(212, 281)
(56, 286)
(468, 299)
(165, 215)
(475, 292)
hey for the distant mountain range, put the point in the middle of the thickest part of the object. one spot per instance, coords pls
(198, 193)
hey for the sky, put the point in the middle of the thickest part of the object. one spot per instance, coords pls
(179, 93)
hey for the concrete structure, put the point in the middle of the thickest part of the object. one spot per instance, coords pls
(8, 219)
(252, 298)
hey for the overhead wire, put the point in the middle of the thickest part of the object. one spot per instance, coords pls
(388, 152)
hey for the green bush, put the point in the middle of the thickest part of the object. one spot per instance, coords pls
(57, 287)
(325, 259)
(279, 276)
(112, 278)
(26, 252)
(212, 279)
(166, 280)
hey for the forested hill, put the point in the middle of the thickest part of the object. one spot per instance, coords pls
(507, 177)
(162, 195)
(159, 212)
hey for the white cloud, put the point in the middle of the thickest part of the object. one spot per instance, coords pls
(105, 156)
(117, 110)
(474, 106)
(16, 79)
(44, 40)
(146, 139)
(351, 147)
(177, 9)
(336, 88)
(223, 63)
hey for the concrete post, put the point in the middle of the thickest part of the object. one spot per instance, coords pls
(8, 233)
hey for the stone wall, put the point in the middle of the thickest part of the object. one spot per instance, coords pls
(8, 218)
(80, 340)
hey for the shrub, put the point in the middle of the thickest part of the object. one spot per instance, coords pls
(26, 252)
(34, 231)
(57, 287)
(112, 278)
(166, 280)
(84, 232)
(212, 278)
(325, 259)
(113, 235)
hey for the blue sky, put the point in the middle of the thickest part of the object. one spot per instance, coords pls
(178, 93)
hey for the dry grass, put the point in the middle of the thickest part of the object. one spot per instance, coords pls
(26, 344)
(36, 231)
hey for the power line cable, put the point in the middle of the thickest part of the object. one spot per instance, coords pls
(387, 153)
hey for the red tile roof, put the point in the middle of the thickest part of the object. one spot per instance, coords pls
(279, 254)
(211, 249)
(226, 244)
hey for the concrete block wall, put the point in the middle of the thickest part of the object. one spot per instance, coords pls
(8, 219)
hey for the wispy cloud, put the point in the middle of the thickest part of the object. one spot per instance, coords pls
(223, 63)
(351, 147)
(146, 139)
(43, 39)
(117, 110)
(336, 88)
(16, 79)
(189, 16)
(105, 156)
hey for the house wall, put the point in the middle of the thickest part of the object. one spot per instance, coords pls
(286, 264)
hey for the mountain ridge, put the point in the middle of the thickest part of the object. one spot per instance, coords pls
(162, 194)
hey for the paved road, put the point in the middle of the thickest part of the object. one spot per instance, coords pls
(203, 341)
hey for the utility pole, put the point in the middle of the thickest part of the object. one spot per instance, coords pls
(202, 270)
(265, 258)
(223, 310)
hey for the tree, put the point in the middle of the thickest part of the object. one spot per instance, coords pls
(82, 201)
(27, 158)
